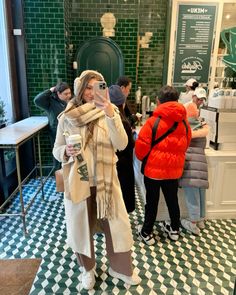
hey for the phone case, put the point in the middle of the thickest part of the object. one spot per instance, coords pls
(99, 87)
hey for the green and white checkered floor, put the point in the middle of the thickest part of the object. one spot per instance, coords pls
(193, 265)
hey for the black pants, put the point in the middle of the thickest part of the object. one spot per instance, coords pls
(169, 188)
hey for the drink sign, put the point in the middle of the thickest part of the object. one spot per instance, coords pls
(194, 41)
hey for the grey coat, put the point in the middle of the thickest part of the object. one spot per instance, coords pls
(195, 168)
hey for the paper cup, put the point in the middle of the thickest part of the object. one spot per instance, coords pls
(75, 139)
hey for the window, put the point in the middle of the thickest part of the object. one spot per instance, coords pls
(5, 93)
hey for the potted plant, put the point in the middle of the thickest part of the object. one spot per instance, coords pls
(3, 119)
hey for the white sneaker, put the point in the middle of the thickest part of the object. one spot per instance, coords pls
(201, 224)
(88, 279)
(190, 226)
(173, 234)
(147, 239)
(130, 280)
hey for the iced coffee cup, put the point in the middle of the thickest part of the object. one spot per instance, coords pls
(75, 140)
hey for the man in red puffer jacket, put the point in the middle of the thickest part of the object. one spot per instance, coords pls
(165, 162)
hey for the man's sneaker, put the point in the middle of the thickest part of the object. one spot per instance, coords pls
(88, 279)
(190, 226)
(201, 224)
(132, 280)
(173, 234)
(147, 239)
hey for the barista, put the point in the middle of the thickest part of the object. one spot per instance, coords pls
(190, 86)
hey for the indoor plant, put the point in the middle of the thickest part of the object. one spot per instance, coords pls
(3, 119)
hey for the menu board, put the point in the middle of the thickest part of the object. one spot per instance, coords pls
(194, 41)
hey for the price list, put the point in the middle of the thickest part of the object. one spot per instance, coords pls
(194, 42)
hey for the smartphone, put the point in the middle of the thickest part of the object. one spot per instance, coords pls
(99, 87)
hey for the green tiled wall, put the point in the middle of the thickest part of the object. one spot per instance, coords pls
(152, 18)
(55, 29)
(45, 53)
(133, 18)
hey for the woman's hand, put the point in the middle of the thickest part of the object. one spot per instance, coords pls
(71, 150)
(104, 103)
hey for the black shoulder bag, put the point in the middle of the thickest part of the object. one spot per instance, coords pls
(154, 142)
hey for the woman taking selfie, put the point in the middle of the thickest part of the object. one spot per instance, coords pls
(93, 197)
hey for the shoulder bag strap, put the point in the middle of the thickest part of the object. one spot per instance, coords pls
(186, 127)
(165, 134)
(154, 142)
(157, 140)
(154, 129)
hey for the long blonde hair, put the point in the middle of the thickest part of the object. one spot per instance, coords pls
(78, 100)
(81, 82)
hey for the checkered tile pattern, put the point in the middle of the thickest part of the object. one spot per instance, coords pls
(204, 264)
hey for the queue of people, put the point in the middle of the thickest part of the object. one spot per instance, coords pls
(99, 175)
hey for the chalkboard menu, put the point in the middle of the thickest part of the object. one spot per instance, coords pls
(194, 40)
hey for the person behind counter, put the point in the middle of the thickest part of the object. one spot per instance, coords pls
(53, 101)
(199, 97)
(190, 86)
(124, 165)
(194, 180)
(93, 197)
(165, 163)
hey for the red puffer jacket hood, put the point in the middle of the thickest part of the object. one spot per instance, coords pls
(166, 159)
(172, 110)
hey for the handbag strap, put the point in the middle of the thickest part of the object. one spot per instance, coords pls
(165, 134)
(186, 127)
(154, 129)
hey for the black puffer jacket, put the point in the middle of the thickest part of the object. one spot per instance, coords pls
(53, 106)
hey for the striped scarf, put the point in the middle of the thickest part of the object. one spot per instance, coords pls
(87, 114)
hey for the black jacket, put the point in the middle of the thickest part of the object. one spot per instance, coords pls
(53, 106)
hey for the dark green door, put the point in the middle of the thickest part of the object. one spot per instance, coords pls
(103, 55)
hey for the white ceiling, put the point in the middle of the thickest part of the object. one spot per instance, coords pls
(230, 10)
